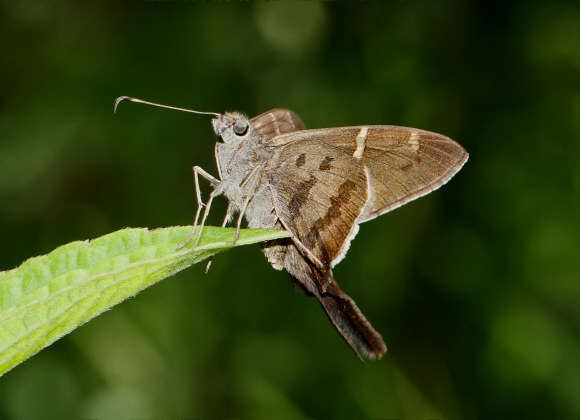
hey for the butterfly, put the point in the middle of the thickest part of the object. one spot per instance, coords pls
(319, 185)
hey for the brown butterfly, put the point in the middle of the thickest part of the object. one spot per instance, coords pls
(319, 185)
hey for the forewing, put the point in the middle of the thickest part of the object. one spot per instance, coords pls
(276, 122)
(405, 163)
(319, 193)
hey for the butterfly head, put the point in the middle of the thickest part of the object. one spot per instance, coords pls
(232, 127)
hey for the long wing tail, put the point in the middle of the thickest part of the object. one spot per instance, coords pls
(352, 325)
(347, 319)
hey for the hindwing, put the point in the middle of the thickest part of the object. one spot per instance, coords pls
(319, 192)
(276, 122)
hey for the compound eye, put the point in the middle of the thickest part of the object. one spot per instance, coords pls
(241, 127)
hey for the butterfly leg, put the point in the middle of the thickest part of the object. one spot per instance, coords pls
(200, 204)
(205, 213)
(225, 222)
(239, 224)
(229, 213)
(255, 176)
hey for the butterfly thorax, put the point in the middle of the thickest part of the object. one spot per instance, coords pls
(240, 164)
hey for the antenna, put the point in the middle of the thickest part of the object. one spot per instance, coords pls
(140, 101)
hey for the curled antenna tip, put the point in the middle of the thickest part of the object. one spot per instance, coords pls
(119, 100)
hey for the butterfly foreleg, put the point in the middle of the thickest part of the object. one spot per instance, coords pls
(205, 213)
(200, 204)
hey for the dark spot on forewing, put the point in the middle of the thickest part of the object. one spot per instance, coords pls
(325, 164)
(301, 160)
(338, 205)
(406, 167)
(300, 196)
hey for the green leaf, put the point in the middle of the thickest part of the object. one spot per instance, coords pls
(49, 296)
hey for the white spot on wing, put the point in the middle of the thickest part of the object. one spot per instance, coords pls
(414, 141)
(360, 143)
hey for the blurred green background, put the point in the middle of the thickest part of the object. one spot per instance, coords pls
(475, 288)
